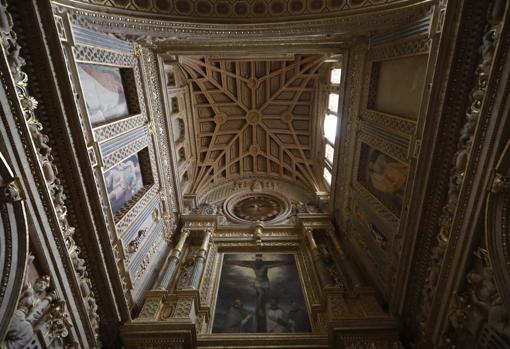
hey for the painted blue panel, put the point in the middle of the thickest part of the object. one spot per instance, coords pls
(139, 222)
(386, 135)
(415, 29)
(118, 142)
(90, 37)
(146, 247)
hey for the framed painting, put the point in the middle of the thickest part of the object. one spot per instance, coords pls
(260, 293)
(383, 176)
(123, 181)
(103, 91)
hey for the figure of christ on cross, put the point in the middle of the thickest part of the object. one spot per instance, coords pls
(261, 284)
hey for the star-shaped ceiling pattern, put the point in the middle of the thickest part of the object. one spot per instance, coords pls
(254, 117)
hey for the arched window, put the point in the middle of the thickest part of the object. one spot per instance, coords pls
(181, 129)
(182, 154)
(170, 78)
(174, 101)
(185, 177)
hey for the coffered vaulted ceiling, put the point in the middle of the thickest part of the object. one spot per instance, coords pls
(255, 117)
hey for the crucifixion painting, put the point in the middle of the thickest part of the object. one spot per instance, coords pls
(260, 293)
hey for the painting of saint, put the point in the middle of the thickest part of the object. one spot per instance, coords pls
(123, 181)
(383, 176)
(260, 293)
(103, 91)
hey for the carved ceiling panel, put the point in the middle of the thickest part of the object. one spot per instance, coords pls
(254, 117)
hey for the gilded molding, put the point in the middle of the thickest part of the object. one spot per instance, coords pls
(149, 67)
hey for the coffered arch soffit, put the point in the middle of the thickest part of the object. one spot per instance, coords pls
(243, 11)
(255, 118)
(328, 30)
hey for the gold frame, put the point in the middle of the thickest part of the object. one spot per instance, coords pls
(298, 258)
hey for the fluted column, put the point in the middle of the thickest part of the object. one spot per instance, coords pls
(323, 272)
(173, 260)
(200, 259)
(345, 264)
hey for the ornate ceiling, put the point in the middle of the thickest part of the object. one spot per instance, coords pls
(254, 117)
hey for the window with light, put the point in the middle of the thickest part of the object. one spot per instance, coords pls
(330, 122)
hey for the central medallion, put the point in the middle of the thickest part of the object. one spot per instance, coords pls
(253, 117)
(258, 208)
(267, 207)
